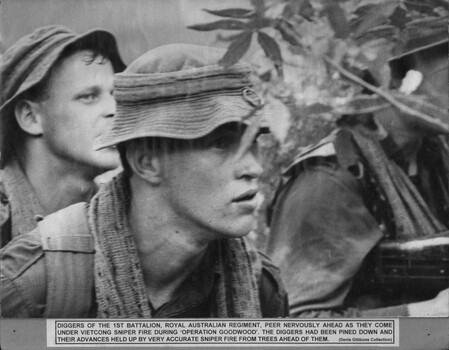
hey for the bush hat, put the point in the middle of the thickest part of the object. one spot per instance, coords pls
(28, 61)
(179, 91)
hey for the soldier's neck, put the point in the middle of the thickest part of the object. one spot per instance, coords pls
(168, 249)
(56, 184)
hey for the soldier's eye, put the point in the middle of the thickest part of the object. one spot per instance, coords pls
(221, 142)
(89, 96)
(224, 141)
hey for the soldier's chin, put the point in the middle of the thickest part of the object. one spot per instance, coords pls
(242, 230)
(107, 158)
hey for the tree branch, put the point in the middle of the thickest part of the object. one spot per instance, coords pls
(385, 95)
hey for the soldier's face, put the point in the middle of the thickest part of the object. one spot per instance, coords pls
(212, 188)
(79, 109)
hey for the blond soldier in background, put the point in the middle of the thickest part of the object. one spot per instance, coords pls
(56, 100)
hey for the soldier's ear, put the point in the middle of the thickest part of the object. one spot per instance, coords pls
(145, 163)
(28, 117)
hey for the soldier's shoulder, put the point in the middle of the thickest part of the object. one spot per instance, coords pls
(273, 295)
(323, 148)
(20, 254)
(271, 274)
(5, 212)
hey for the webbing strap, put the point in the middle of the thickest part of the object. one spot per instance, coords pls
(69, 249)
(345, 148)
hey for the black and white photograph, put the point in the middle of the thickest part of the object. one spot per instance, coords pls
(224, 174)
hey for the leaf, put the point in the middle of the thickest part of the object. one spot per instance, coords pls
(236, 50)
(337, 19)
(424, 6)
(362, 104)
(376, 49)
(259, 6)
(427, 30)
(316, 108)
(225, 24)
(271, 49)
(320, 47)
(371, 16)
(376, 54)
(292, 8)
(385, 31)
(399, 18)
(301, 7)
(261, 22)
(232, 13)
(288, 32)
(306, 10)
(340, 50)
(228, 38)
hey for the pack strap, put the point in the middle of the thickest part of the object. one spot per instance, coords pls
(69, 258)
(347, 154)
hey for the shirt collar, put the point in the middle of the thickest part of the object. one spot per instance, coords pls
(196, 289)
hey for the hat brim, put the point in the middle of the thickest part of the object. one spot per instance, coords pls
(188, 118)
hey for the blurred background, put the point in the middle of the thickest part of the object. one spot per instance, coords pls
(139, 25)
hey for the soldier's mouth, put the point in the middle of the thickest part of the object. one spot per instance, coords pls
(246, 196)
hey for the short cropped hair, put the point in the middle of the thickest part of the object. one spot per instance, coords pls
(148, 144)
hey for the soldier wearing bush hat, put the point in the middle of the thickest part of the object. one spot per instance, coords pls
(56, 100)
(369, 203)
(165, 238)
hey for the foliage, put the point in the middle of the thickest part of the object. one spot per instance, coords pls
(324, 58)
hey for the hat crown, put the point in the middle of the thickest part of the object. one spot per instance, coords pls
(175, 58)
(27, 62)
(179, 91)
(18, 60)
(37, 37)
